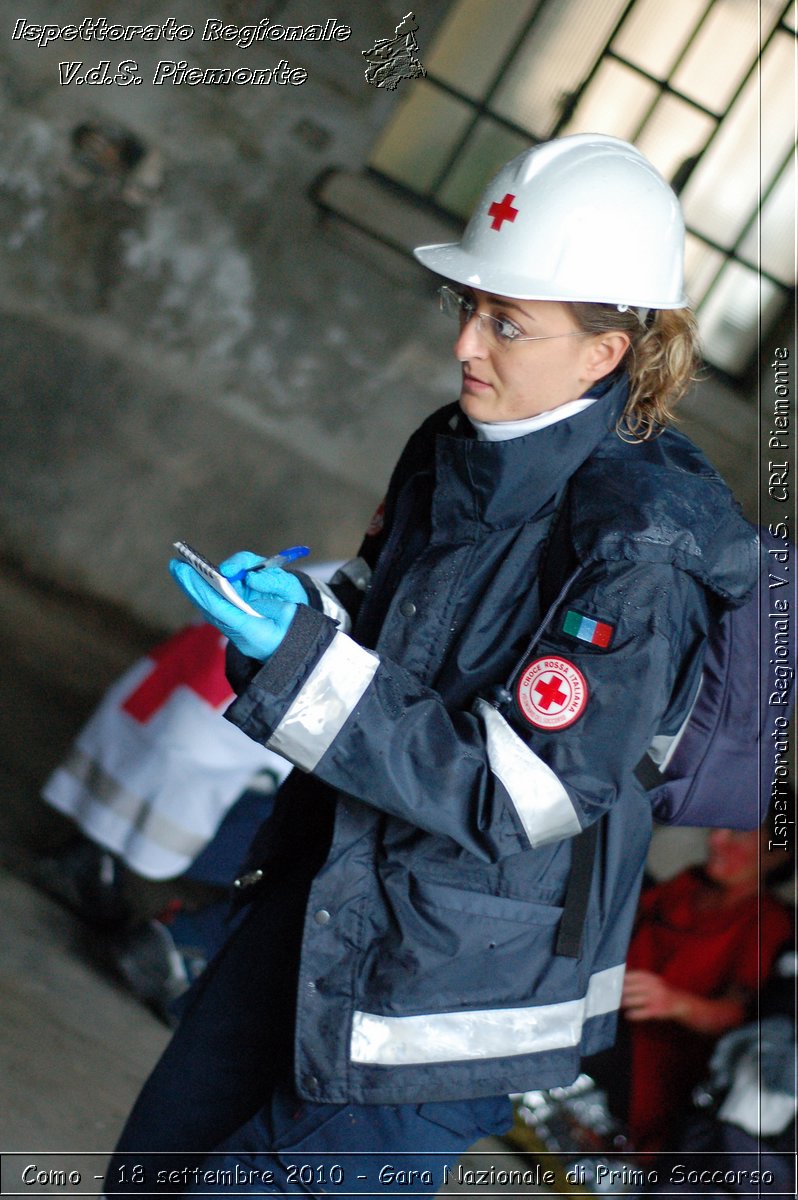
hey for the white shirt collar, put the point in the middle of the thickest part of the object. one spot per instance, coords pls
(503, 431)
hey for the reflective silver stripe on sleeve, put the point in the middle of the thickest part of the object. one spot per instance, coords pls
(540, 800)
(357, 571)
(323, 705)
(485, 1033)
(332, 607)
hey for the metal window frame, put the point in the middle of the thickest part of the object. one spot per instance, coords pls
(481, 108)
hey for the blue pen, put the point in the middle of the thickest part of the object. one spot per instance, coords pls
(277, 560)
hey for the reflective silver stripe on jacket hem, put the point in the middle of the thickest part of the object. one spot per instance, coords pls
(323, 705)
(357, 571)
(486, 1033)
(540, 800)
(332, 607)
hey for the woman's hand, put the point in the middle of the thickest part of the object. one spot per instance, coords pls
(273, 593)
(648, 997)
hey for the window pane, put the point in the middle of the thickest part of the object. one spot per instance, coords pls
(723, 51)
(424, 131)
(558, 53)
(674, 132)
(777, 228)
(615, 102)
(473, 43)
(653, 34)
(729, 320)
(488, 148)
(724, 190)
(701, 266)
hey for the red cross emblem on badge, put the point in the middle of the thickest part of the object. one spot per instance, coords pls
(503, 211)
(551, 693)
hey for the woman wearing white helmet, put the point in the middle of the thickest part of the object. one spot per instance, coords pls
(438, 912)
(588, 226)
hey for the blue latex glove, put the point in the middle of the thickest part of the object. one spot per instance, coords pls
(273, 593)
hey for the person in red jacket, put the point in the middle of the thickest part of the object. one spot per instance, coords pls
(703, 944)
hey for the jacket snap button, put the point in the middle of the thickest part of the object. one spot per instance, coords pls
(322, 917)
(407, 608)
(311, 1083)
(248, 880)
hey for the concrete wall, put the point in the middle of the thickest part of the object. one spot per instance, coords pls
(217, 364)
(213, 365)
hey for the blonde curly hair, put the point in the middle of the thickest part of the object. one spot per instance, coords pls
(662, 361)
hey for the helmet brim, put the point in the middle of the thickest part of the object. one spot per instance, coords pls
(451, 261)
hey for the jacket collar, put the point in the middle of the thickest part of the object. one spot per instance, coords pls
(502, 484)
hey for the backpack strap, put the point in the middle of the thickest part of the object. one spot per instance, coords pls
(557, 571)
(558, 565)
(577, 894)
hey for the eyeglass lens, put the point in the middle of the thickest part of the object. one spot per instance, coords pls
(498, 331)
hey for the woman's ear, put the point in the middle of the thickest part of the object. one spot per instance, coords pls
(605, 352)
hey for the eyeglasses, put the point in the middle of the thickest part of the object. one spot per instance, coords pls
(499, 332)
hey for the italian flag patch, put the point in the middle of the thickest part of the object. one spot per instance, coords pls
(597, 633)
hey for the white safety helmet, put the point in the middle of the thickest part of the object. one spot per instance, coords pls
(584, 217)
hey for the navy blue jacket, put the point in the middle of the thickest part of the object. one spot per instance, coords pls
(432, 816)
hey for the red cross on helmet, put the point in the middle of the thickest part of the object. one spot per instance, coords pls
(585, 217)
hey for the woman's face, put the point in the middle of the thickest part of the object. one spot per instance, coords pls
(733, 857)
(526, 378)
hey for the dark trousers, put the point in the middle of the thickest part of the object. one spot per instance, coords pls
(219, 1113)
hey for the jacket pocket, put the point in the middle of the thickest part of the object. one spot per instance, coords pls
(450, 949)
